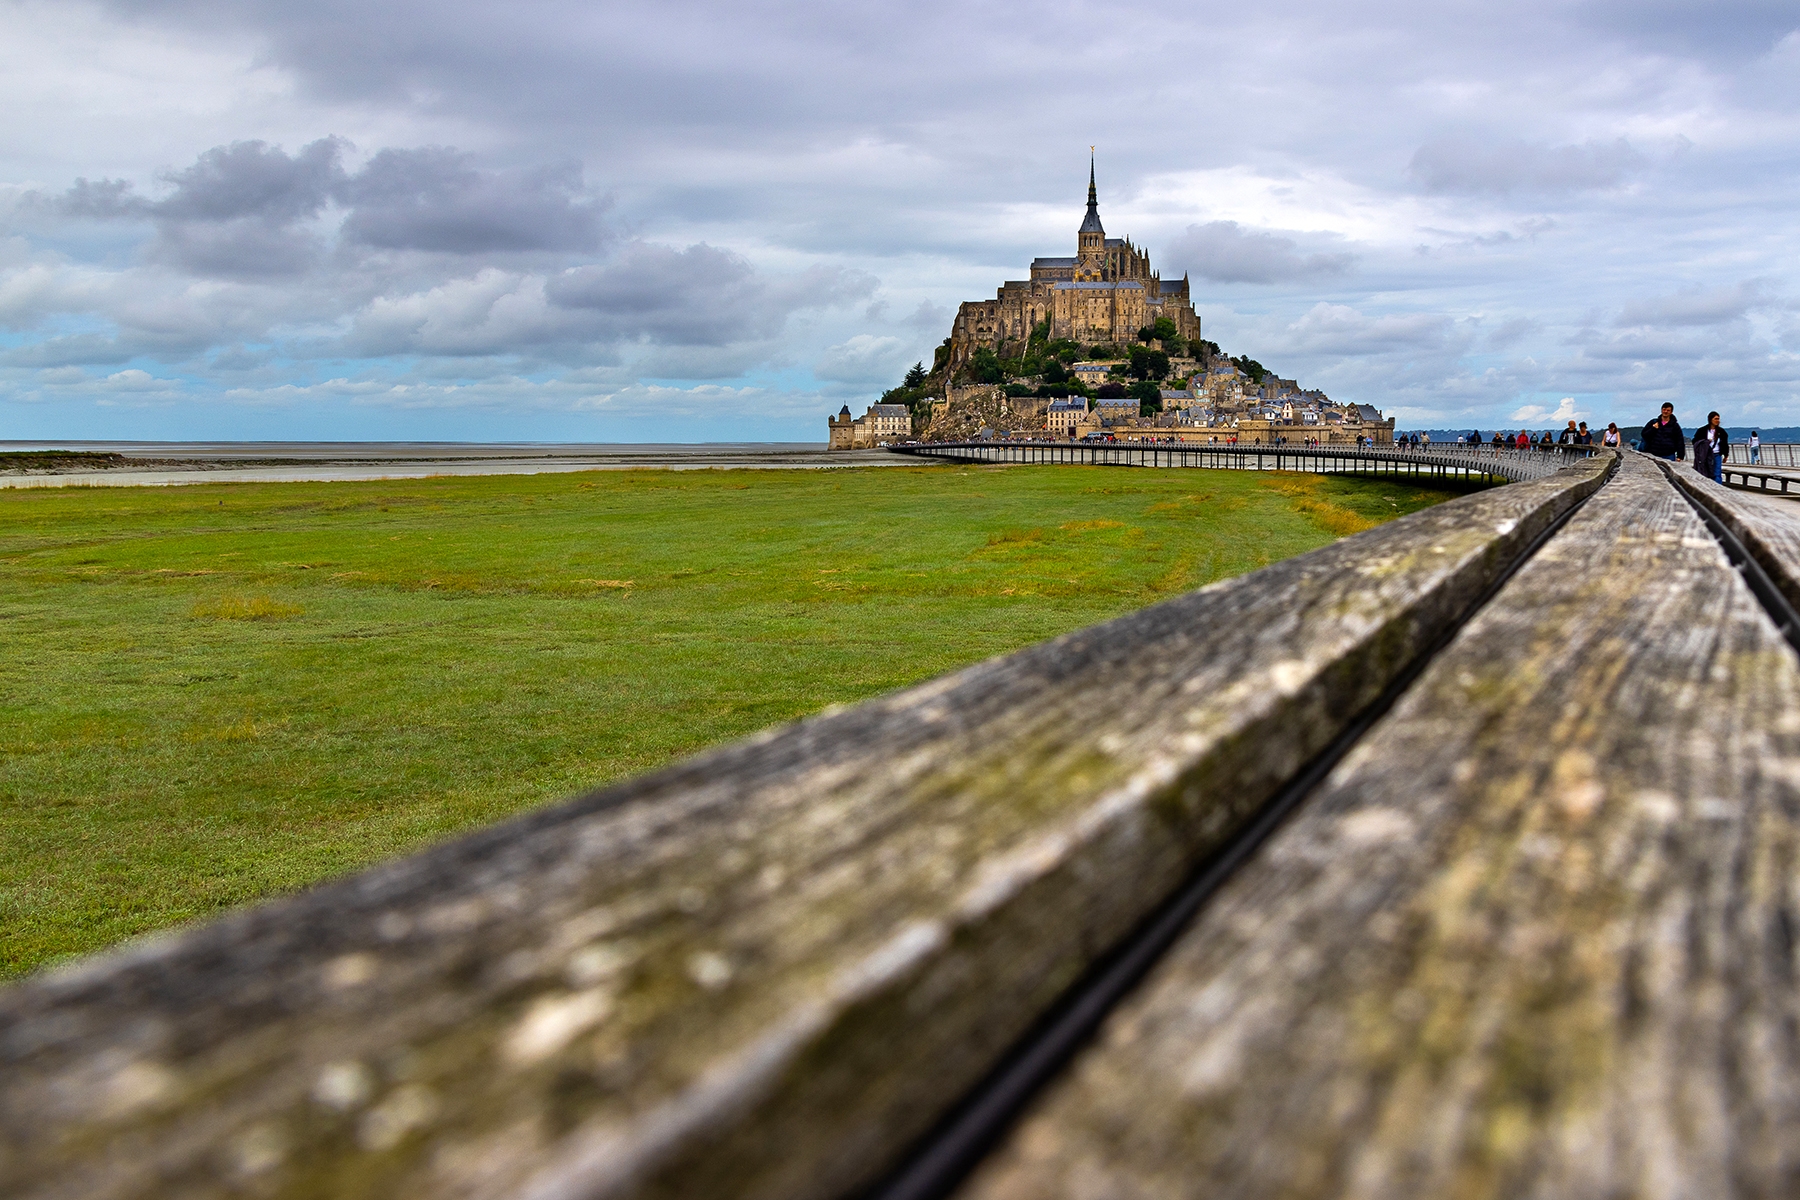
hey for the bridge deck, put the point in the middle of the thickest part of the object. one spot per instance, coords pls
(1528, 927)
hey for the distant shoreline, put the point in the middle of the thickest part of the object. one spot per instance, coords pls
(163, 464)
(316, 450)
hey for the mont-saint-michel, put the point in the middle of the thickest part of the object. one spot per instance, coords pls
(1098, 344)
(1103, 295)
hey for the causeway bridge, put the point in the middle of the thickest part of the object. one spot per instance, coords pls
(1473, 462)
(1457, 858)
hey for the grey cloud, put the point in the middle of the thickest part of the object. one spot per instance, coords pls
(242, 249)
(1471, 166)
(254, 180)
(239, 212)
(1698, 306)
(648, 294)
(232, 214)
(100, 199)
(928, 317)
(435, 199)
(1225, 252)
(1727, 30)
(700, 296)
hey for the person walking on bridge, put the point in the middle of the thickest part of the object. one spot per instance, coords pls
(1662, 436)
(1611, 436)
(1755, 448)
(1711, 445)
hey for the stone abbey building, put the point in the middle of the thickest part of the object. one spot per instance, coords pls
(1104, 294)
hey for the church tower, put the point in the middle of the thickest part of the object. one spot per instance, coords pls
(1090, 240)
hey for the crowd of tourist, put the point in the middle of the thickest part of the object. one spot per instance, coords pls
(1662, 436)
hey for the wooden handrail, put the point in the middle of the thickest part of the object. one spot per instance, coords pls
(1534, 937)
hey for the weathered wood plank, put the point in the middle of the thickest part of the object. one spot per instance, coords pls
(1533, 937)
(1768, 527)
(757, 974)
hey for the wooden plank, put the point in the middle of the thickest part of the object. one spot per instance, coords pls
(760, 973)
(1768, 527)
(1533, 937)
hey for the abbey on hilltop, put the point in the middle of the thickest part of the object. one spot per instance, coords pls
(1106, 293)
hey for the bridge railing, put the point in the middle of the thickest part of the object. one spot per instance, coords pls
(1769, 454)
(835, 959)
(1510, 464)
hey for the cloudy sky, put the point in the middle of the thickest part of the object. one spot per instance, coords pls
(621, 221)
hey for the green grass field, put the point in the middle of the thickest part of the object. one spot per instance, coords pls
(222, 692)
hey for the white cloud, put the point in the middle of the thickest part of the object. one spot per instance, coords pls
(1536, 414)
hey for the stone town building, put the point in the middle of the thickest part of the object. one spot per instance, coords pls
(1065, 416)
(883, 423)
(1104, 294)
(1109, 410)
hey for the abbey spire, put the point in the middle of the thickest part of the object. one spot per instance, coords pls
(1091, 223)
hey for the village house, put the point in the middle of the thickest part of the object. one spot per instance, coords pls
(1116, 410)
(1065, 416)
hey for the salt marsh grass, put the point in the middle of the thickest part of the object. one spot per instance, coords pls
(222, 692)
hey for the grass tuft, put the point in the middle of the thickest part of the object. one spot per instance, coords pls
(248, 729)
(245, 608)
(1016, 537)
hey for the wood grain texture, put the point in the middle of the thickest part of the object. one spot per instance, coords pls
(757, 974)
(1768, 527)
(1534, 936)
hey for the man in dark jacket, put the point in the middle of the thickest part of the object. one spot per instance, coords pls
(1662, 437)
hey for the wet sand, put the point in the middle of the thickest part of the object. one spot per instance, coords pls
(172, 463)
